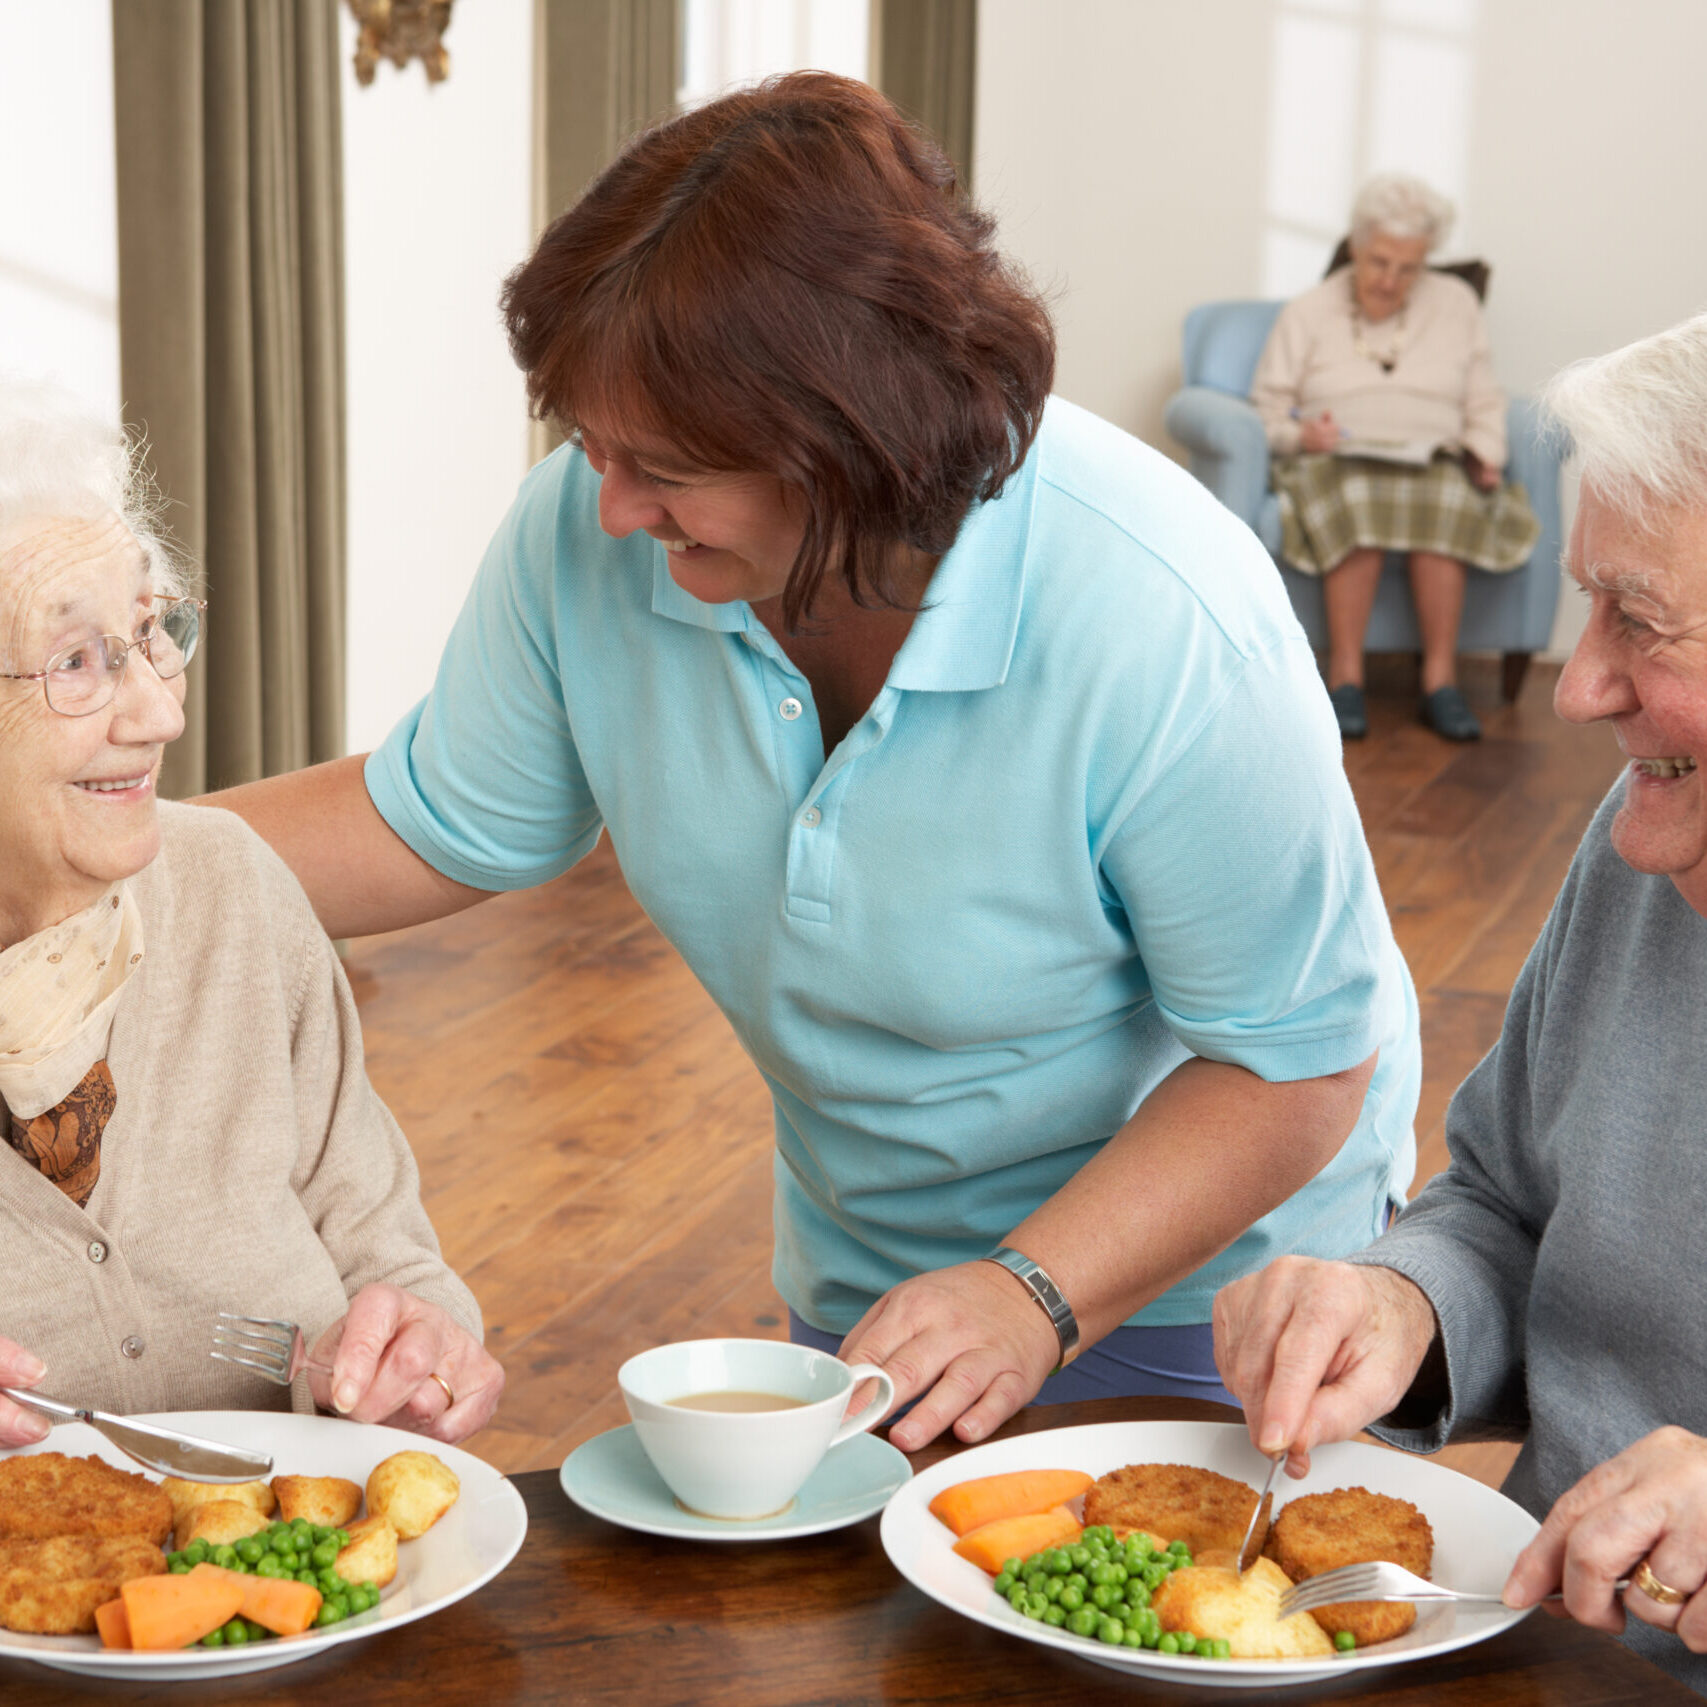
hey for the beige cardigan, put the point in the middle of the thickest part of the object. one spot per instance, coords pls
(1441, 389)
(248, 1165)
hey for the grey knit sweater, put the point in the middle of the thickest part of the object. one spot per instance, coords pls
(1563, 1249)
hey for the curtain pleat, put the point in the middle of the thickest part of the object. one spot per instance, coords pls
(231, 356)
(927, 65)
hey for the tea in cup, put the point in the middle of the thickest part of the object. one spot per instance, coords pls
(736, 1426)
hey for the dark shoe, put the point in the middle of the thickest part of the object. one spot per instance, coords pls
(1448, 714)
(1349, 711)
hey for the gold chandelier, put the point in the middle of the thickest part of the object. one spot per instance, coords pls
(401, 30)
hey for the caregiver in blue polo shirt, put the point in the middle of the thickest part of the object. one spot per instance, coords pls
(966, 749)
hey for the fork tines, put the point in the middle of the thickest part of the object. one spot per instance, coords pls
(1348, 1583)
(256, 1342)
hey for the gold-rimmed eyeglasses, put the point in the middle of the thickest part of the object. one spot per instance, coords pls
(81, 679)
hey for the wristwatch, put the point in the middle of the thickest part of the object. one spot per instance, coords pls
(1047, 1296)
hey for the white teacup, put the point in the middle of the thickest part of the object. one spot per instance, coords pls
(744, 1464)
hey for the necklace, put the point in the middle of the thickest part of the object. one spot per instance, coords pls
(1388, 360)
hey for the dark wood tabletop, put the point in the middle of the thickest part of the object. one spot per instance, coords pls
(589, 1613)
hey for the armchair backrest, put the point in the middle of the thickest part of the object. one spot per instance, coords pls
(1223, 342)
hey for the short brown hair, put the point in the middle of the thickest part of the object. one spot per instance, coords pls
(788, 281)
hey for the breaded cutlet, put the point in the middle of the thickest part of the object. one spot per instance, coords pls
(1349, 1526)
(1173, 1502)
(47, 1493)
(52, 1587)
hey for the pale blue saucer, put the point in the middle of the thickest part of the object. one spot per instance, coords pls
(611, 1477)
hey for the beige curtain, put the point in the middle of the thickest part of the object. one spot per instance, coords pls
(927, 64)
(232, 356)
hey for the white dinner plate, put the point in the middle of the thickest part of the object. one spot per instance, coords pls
(468, 1546)
(1478, 1532)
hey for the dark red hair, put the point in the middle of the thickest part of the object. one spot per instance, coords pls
(788, 281)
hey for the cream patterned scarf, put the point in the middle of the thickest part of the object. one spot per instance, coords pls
(58, 993)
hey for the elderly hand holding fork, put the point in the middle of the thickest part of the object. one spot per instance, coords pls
(1316, 1351)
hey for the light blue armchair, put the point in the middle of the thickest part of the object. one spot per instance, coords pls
(1511, 614)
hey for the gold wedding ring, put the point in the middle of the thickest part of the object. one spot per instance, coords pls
(1650, 1585)
(450, 1398)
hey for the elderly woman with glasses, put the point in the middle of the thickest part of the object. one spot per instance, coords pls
(188, 1128)
(1548, 1286)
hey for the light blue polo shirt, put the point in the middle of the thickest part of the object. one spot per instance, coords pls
(1096, 821)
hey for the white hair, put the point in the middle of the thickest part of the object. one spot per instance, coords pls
(57, 458)
(1637, 419)
(1401, 206)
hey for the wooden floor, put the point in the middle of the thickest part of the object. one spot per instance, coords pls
(595, 1149)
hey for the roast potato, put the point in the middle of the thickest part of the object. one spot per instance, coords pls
(414, 1490)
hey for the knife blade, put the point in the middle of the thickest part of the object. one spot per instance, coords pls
(1257, 1531)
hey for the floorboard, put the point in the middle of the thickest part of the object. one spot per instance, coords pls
(595, 1149)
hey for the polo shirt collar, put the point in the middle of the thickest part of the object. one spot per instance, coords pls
(963, 639)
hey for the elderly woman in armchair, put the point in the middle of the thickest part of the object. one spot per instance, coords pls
(1548, 1286)
(188, 1126)
(1388, 433)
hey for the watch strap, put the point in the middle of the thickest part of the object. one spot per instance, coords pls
(1046, 1295)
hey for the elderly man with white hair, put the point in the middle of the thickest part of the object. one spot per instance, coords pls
(185, 1125)
(1549, 1286)
(1388, 434)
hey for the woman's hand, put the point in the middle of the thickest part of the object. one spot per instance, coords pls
(1483, 475)
(970, 1338)
(20, 1368)
(1649, 1502)
(1317, 1350)
(383, 1357)
(1319, 432)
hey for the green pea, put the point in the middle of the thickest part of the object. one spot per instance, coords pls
(325, 1553)
(1072, 1596)
(249, 1550)
(307, 1576)
(1169, 1644)
(225, 1555)
(1136, 1593)
(1052, 1587)
(1179, 1547)
(1345, 1641)
(1223, 1648)
(1112, 1631)
(1035, 1604)
(1016, 1597)
(328, 1614)
(1083, 1622)
(214, 1638)
(342, 1536)
(197, 1551)
(1003, 1583)
(1054, 1617)
(1013, 1567)
(1134, 1637)
(1104, 1595)
(1034, 1580)
(236, 1633)
(302, 1526)
(1078, 1580)
(257, 1632)
(1187, 1642)
(1119, 1609)
(269, 1566)
(1080, 1554)
(180, 1567)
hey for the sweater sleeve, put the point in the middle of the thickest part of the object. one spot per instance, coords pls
(1484, 401)
(1280, 372)
(356, 1176)
(1471, 1237)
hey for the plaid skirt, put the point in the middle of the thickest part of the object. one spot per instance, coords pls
(1332, 505)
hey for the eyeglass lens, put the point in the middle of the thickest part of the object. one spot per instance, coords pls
(82, 678)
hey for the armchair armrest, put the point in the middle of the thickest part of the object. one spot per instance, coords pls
(1534, 456)
(1227, 446)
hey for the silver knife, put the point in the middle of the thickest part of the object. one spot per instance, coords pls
(172, 1454)
(1256, 1531)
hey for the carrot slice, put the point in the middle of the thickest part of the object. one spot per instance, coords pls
(174, 1611)
(281, 1604)
(989, 1546)
(970, 1505)
(113, 1622)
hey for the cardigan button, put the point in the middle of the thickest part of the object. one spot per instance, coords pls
(790, 709)
(97, 1251)
(132, 1346)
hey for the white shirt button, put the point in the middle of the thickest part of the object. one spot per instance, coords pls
(811, 817)
(131, 1347)
(97, 1251)
(790, 709)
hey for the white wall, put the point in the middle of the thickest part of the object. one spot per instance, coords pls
(1144, 155)
(436, 212)
(58, 206)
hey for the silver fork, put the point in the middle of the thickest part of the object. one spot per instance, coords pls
(266, 1345)
(1380, 1580)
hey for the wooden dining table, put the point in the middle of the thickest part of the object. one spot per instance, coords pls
(589, 1613)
